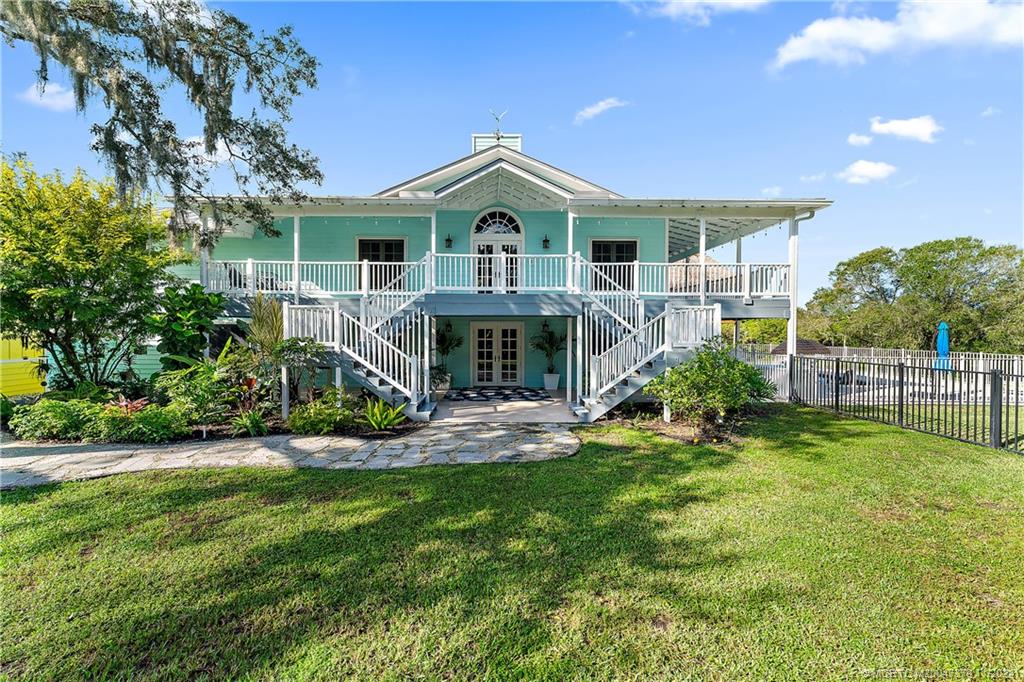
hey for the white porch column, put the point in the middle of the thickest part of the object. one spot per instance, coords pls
(794, 253)
(296, 267)
(579, 358)
(569, 266)
(433, 251)
(739, 249)
(568, 359)
(666, 241)
(703, 261)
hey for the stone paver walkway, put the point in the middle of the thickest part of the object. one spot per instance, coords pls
(23, 463)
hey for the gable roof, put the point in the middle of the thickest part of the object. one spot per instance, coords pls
(451, 173)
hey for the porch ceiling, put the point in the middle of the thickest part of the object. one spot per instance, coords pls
(684, 233)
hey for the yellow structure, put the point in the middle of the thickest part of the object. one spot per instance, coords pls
(18, 363)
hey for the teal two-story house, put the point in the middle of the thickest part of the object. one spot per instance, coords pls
(497, 247)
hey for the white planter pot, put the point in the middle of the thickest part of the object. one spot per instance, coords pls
(439, 392)
(551, 382)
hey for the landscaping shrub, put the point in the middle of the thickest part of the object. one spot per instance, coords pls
(380, 416)
(151, 424)
(250, 422)
(321, 416)
(55, 419)
(201, 395)
(6, 410)
(710, 388)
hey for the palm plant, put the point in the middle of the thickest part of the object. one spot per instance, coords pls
(550, 344)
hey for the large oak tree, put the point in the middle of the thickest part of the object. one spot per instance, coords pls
(133, 57)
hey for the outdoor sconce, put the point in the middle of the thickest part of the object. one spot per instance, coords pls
(448, 242)
(448, 327)
(546, 243)
(545, 327)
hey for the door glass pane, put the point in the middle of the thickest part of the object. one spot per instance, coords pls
(485, 356)
(509, 355)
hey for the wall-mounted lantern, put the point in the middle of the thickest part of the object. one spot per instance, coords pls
(546, 243)
(448, 242)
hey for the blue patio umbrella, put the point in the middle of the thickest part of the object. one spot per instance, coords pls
(942, 347)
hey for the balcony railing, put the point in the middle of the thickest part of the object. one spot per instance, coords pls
(502, 273)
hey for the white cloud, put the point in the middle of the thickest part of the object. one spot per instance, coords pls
(991, 111)
(858, 140)
(220, 154)
(816, 177)
(862, 172)
(772, 192)
(848, 40)
(697, 12)
(598, 108)
(55, 97)
(920, 128)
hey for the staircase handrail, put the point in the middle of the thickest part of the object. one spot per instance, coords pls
(640, 338)
(408, 362)
(614, 288)
(391, 291)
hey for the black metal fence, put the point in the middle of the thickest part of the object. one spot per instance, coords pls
(986, 408)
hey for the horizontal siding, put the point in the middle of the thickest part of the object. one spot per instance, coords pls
(18, 369)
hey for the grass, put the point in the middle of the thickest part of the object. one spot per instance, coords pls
(819, 547)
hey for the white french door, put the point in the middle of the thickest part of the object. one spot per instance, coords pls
(497, 353)
(494, 273)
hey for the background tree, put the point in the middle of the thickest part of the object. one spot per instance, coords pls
(896, 299)
(80, 266)
(137, 55)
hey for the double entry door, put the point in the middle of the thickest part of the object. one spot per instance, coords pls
(497, 353)
(494, 273)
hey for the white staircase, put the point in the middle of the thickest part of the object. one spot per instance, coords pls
(392, 361)
(618, 368)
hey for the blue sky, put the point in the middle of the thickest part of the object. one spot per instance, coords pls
(729, 100)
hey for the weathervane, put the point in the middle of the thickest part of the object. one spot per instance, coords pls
(497, 122)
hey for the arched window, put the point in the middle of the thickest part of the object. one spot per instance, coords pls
(497, 222)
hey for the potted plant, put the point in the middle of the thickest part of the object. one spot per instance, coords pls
(550, 344)
(446, 344)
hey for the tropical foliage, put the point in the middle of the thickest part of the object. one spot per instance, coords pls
(80, 267)
(381, 416)
(550, 344)
(184, 323)
(146, 60)
(328, 414)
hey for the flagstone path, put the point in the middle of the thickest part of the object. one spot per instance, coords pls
(24, 464)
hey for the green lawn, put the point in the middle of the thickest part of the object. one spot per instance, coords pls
(820, 547)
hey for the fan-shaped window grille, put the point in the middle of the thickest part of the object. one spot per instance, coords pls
(497, 222)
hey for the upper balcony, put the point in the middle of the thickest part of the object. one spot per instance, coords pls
(498, 274)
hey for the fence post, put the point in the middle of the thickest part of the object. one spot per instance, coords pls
(995, 415)
(835, 387)
(899, 409)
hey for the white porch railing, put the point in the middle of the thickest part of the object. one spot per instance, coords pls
(746, 280)
(502, 273)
